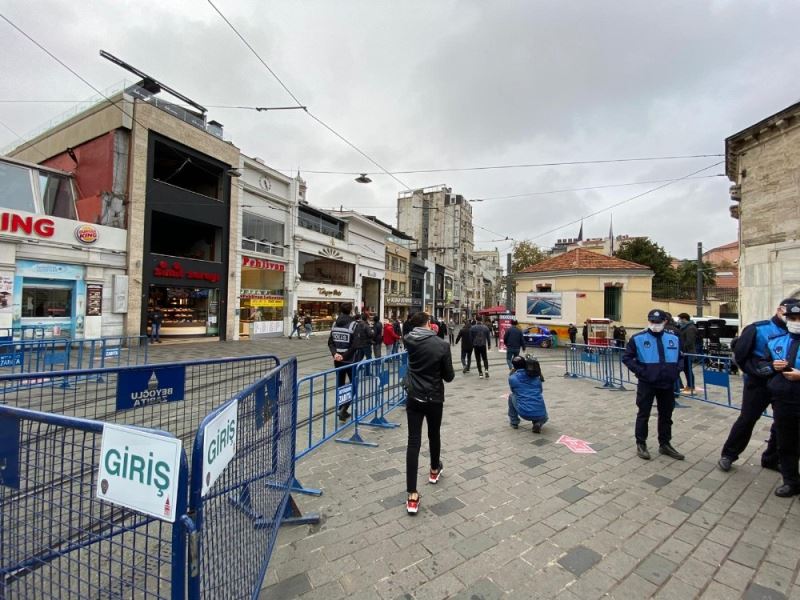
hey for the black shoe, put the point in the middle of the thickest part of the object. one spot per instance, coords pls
(537, 428)
(668, 450)
(724, 463)
(465, 371)
(787, 491)
(641, 451)
(343, 414)
(771, 465)
(514, 425)
(487, 373)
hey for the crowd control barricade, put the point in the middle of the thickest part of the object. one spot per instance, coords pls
(58, 539)
(599, 363)
(373, 387)
(239, 505)
(712, 375)
(23, 333)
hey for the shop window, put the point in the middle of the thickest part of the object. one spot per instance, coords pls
(57, 196)
(319, 269)
(181, 169)
(16, 191)
(402, 288)
(184, 238)
(262, 235)
(541, 287)
(42, 300)
(612, 301)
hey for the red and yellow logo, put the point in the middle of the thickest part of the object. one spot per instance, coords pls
(86, 234)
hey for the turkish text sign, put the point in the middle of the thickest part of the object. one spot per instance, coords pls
(219, 444)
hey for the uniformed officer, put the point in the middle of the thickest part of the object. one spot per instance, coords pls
(750, 351)
(654, 356)
(783, 359)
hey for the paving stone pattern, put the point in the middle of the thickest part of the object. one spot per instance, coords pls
(517, 516)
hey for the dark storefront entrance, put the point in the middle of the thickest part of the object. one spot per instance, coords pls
(185, 270)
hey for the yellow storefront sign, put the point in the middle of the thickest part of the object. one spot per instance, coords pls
(265, 302)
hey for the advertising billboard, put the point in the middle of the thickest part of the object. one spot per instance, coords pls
(543, 304)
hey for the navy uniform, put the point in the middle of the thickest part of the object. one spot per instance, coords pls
(784, 387)
(654, 356)
(749, 353)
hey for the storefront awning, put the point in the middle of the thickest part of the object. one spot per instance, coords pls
(494, 310)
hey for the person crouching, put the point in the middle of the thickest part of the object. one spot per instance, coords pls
(526, 399)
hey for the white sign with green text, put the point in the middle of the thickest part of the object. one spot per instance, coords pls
(139, 470)
(219, 444)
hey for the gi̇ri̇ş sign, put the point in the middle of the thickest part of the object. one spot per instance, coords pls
(147, 385)
(139, 470)
(219, 444)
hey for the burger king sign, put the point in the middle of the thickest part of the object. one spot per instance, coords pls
(86, 234)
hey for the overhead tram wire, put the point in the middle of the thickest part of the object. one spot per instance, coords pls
(631, 199)
(297, 101)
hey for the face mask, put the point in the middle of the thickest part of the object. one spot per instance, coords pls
(793, 326)
(656, 327)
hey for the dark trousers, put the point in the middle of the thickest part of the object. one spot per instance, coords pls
(755, 400)
(376, 349)
(645, 394)
(480, 352)
(688, 372)
(572, 338)
(787, 424)
(466, 358)
(416, 412)
(343, 377)
(451, 336)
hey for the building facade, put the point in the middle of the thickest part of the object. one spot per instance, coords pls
(762, 163)
(167, 174)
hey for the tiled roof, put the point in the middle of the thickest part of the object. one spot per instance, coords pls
(581, 259)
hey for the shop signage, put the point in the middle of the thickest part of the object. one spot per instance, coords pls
(14, 223)
(148, 385)
(260, 263)
(265, 302)
(139, 470)
(86, 234)
(175, 271)
(326, 292)
(219, 444)
(401, 300)
(94, 300)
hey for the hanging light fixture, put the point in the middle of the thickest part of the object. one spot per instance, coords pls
(363, 178)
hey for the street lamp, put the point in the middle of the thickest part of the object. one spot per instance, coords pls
(363, 178)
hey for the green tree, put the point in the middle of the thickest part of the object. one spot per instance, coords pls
(524, 255)
(646, 252)
(687, 274)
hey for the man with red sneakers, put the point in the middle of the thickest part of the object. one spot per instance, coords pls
(429, 366)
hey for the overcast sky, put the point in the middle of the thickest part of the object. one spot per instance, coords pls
(440, 85)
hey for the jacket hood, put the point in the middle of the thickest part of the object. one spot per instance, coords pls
(419, 334)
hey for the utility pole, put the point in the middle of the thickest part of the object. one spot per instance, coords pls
(509, 285)
(699, 288)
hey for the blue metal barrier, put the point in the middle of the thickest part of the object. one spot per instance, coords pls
(600, 363)
(57, 538)
(23, 333)
(255, 485)
(714, 380)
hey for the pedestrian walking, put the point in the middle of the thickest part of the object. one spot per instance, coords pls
(687, 332)
(398, 330)
(295, 325)
(465, 337)
(441, 329)
(749, 352)
(496, 333)
(429, 366)
(364, 335)
(308, 325)
(481, 341)
(654, 357)
(585, 332)
(451, 332)
(783, 359)
(390, 338)
(156, 318)
(514, 341)
(572, 332)
(377, 336)
(342, 343)
(526, 399)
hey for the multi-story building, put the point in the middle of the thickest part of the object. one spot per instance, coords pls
(165, 174)
(441, 222)
(397, 296)
(488, 262)
(762, 162)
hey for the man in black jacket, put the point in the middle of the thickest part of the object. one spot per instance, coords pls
(465, 337)
(687, 332)
(514, 341)
(429, 366)
(343, 343)
(481, 340)
(750, 350)
(377, 336)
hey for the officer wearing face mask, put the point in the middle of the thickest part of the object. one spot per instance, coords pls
(783, 359)
(654, 356)
(749, 352)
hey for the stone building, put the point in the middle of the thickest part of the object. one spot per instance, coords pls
(763, 161)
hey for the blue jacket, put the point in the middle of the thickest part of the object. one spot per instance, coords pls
(528, 392)
(751, 349)
(655, 358)
(786, 348)
(513, 339)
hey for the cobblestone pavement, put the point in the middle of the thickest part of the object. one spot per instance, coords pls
(516, 515)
